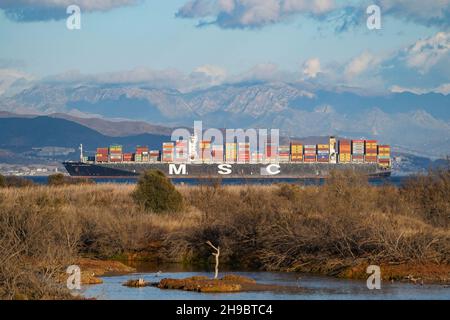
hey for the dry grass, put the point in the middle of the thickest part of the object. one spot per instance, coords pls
(319, 228)
(325, 228)
(45, 229)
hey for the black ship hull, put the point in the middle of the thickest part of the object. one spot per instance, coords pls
(223, 171)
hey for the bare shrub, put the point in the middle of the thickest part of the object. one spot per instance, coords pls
(2, 181)
(18, 182)
(429, 197)
(327, 227)
(324, 229)
(59, 179)
(36, 245)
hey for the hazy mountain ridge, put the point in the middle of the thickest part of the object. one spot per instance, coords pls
(417, 122)
(22, 135)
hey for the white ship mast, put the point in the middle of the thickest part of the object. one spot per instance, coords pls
(81, 152)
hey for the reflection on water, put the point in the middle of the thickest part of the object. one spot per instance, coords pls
(314, 287)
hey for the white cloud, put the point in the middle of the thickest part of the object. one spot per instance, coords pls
(360, 64)
(88, 5)
(426, 53)
(11, 79)
(430, 12)
(315, 7)
(212, 71)
(201, 77)
(39, 10)
(259, 13)
(269, 72)
(252, 13)
(443, 89)
(311, 68)
(227, 5)
(402, 70)
(207, 75)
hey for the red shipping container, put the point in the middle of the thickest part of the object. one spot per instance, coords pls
(140, 150)
(127, 157)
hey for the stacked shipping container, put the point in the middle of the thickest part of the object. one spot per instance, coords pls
(230, 152)
(101, 155)
(217, 153)
(181, 151)
(168, 152)
(115, 153)
(310, 151)
(344, 151)
(284, 153)
(384, 155)
(128, 157)
(257, 157)
(244, 152)
(323, 153)
(371, 151)
(296, 152)
(358, 151)
(154, 155)
(271, 152)
(141, 154)
(205, 151)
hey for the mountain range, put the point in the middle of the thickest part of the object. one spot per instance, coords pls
(21, 135)
(410, 122)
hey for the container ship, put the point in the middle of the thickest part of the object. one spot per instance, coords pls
(204, 159)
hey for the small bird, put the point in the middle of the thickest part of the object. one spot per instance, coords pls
(158, 273)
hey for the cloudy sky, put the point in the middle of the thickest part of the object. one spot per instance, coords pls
(188, 44)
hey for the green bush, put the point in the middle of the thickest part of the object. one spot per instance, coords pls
(2, 181)
(156, 193)
(57, 179)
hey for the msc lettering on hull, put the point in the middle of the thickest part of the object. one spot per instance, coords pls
(225, 169)
(174, 170)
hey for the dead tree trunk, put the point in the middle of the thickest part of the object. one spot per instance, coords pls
(215, 254)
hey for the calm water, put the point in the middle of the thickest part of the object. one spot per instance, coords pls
(396, 180)
(312, 288)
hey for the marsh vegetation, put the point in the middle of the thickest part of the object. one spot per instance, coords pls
(328, 229)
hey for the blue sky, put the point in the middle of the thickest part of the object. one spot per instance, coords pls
(148, 35)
